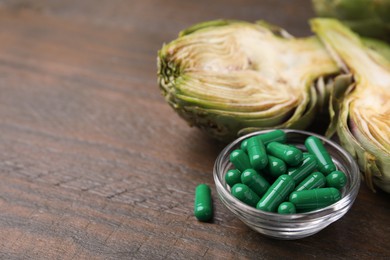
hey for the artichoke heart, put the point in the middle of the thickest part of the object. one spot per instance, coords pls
(229, 77)
(363, 123)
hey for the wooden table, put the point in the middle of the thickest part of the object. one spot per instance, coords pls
(95, 165)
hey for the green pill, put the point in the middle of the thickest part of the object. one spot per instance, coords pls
(257, 154)
(314, 199)
(315, 147)
(286, 208)
(275, 167)
(308, 165)
(336, 179)
(232, 177)
(289, 154)
(203, 207)
(240, 160)
(255, 181)
(273, 136)
(313, 181)
(245, 194)
(244, 144)
(276, 194)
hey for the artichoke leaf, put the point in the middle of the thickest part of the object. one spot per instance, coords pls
(342, 85)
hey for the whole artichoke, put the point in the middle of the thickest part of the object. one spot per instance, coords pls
(369, 18)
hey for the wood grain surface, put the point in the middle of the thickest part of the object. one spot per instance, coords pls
(95, 165)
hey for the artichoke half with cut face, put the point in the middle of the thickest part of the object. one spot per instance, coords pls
(232, 77)
(363, 122)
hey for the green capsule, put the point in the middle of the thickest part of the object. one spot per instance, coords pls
(245, 194)
(257, 154)
(286, 208)
(313, 181)
(232, 177)
(308, 165)
(315, 147)
(244, 144)
(289, 154)
(203, 207)
(275, 167)
(273, 136)
(314, 199)
(240, 160)
(277, 193)
(336, 179)
(255, 181)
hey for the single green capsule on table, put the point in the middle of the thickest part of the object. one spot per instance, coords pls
(240, 160)
(308, 165)
(275, 167)
(336, 179)
(255, 181)
(286, 208)
(314, 199)
(232, 177)
(245, 194)
(256, 153)
(289, 154)
(276, 194)
(313, 181)
(203, 206)
(273, 136)
(314, 146)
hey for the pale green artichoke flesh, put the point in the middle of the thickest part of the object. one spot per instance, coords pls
(230, 77)
(363, 123)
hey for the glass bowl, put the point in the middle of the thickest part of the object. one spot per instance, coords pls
(291, 226)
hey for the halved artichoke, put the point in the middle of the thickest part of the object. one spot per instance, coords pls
(363, 123)
(231, 77)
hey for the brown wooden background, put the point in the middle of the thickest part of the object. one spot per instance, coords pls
(95, 165)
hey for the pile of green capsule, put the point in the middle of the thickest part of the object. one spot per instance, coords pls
(275, 176)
